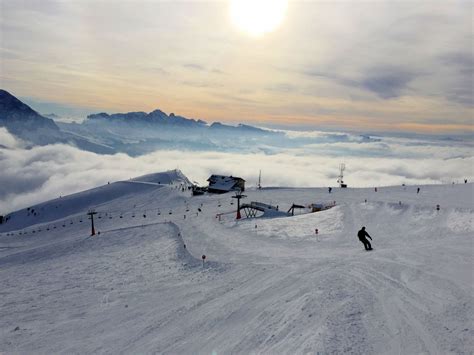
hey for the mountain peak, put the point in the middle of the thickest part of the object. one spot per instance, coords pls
(9, 105)
(18, 117)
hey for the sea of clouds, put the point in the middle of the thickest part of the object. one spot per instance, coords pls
(31, 175)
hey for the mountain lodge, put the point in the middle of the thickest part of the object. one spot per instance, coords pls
(220, 184)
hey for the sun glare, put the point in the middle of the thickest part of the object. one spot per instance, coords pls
(257, 17)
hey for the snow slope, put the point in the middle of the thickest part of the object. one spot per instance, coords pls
(78, 204)
(268, 285)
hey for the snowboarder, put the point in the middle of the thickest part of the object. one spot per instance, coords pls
(362, 234)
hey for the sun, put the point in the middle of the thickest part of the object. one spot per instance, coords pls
(257, 17)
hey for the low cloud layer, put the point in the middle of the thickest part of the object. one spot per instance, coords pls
(34, 175)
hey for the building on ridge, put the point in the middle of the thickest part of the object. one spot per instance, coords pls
(220, 184)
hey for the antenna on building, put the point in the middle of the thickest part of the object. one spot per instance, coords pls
(340, 179)
(260, 180)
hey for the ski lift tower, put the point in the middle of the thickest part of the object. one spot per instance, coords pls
(340, 180)
(238, 196)
(91, 214)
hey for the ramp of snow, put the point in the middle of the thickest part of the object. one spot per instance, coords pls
(296, 227)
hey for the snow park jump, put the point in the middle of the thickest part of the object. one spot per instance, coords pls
(270, 282)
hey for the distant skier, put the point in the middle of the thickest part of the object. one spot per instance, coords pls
(418, 190)
(329, 189)
(362, 234)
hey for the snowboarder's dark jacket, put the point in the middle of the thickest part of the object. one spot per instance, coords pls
(362, 234)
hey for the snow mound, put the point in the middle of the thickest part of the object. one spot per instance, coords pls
(296, 227)
(165, 178)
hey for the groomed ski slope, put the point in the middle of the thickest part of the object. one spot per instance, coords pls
(268, 285)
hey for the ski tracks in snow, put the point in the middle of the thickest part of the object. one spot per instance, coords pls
(409, 319)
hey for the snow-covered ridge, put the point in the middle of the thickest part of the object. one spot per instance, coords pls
(80, 203)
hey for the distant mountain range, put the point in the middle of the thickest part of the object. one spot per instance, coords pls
(159, 118)
(156, 117)
(134, 133)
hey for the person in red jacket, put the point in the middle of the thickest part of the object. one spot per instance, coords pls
(362, 234)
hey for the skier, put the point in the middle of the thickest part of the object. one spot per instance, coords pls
(362, 234)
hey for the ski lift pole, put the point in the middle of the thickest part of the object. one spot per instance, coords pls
(238, 196)
(91, 214)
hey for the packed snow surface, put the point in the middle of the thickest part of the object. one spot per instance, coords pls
(267, 285)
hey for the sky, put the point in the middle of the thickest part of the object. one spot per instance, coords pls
(381, 65)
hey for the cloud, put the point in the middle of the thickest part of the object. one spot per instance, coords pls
(201, 68)
(194, 66)
(387, 82)
(282, 87)
(460, 87)
(463, 61)
(7, 140)
(42, 173)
